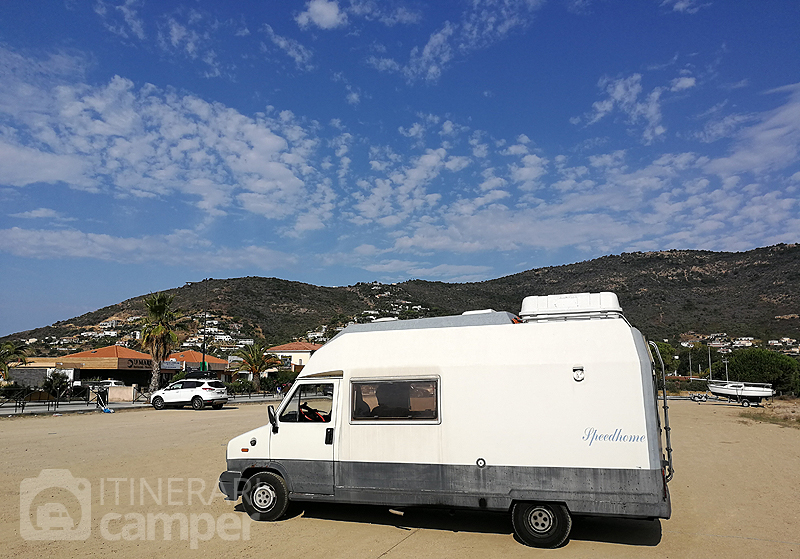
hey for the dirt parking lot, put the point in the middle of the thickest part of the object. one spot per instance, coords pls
(736, 493)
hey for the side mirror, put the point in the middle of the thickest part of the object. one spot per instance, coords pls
(273, 420)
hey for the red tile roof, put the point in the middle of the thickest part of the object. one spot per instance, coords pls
(117, 351)
(195, 357)
(295, 346)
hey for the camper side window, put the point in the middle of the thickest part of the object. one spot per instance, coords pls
(407, 399)
(309, 403)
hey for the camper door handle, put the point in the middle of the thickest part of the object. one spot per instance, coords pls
(329, 435)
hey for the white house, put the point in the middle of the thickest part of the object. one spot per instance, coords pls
(297, 353)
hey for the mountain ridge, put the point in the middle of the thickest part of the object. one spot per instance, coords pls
(663, 293)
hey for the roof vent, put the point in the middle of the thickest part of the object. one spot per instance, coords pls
(570, 305)
(482, 311)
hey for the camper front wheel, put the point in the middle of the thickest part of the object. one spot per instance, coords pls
(265, 496)
(541, 524)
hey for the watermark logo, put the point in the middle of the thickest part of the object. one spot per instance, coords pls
(57, 506)
(44, 513)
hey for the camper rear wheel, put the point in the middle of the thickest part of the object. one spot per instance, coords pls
(265, 496)
(746, 403)
(541, 524)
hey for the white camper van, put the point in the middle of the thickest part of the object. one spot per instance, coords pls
(547, 415)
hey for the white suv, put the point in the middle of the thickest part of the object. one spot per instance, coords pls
(197, 392)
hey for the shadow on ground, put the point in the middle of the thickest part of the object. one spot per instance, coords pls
(606, 530)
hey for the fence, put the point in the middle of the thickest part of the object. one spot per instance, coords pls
(23, 397)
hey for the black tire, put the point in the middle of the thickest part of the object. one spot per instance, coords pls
(158, 403)
(746, 403)
(198, 403)
(265, 496)
(541, 524)
(216, 406)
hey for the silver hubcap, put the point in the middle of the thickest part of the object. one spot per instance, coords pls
(264, 497)
(541, 520)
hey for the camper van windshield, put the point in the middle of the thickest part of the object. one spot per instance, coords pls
(393, 399)
(310, 402)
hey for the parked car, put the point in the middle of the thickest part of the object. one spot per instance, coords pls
(110, 382)
(198, 393)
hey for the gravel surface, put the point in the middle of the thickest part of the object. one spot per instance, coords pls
(736, 493)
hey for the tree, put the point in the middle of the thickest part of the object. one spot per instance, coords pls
(760, 365)
(158, 332)
(56, 383)
(668, 355)
(10, 353)
(256, 361)
(696, 355)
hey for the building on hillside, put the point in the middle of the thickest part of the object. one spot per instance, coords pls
(295, 354)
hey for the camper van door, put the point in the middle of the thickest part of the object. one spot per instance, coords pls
(304, 443)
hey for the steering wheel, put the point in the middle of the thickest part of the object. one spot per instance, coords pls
(309, 414)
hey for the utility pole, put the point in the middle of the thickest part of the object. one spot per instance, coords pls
(205, 281)
(205, 321)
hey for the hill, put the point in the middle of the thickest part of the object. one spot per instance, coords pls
(755, 293)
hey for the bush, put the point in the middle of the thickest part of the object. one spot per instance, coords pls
(56, 383)
(678, 386)
(241, 386)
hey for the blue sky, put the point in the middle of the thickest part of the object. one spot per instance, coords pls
(144, 144)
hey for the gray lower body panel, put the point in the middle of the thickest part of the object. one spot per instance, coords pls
(593, 491)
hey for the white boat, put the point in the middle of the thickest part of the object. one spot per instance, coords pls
(745, 393)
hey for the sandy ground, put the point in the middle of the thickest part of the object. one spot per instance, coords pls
(736, 493)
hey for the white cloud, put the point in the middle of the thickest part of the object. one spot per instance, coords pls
(624, 95)
(372, 10)
(191, 34)
(684, 82)
(771, 144)
(21, 166)
(457, 163)
(724, 127)
(293, 49)
(383, 64)
(685, 6)
(285, 176)
(41, 213)
(324, 14)
(482, 24)
(130, 22)
(404, 269)
(149, 143)
(177, 248)
(532, 168)
(427, 63)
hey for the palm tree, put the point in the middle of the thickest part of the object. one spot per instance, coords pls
(253, 361)
(158, 333)
(11, 352)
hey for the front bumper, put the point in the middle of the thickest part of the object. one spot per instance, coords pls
(231, 483)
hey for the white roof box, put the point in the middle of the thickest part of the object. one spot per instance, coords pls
(571, 305)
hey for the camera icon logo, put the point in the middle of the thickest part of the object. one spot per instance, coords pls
(51, 520)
